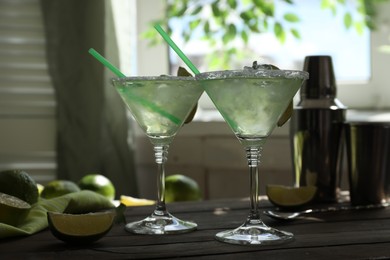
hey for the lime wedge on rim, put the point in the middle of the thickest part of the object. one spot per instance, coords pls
(288, 197)
(80, 228)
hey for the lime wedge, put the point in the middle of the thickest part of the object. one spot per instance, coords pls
(80, 228)
(12, 209)
(131, 201)
(286, 115)
(182, 72)
(285, 196)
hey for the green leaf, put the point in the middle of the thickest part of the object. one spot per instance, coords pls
(295, 33)
(254, 27)
(232, 4)
(279, 32)
(215, 9)
(359, 27)
(290, 17)
(232, 30)
(347, 20)
(181, 11)
(186, 36)
(194, 24)
(265, 24)
(206, 27)
(278, 28)
(244, 37)
(247, 15)
(230, 34)
(325, 4)
(197, 10)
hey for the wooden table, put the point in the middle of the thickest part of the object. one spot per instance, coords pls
(338, 235)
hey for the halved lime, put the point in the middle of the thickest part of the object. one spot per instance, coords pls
(12, 209)
(80, 228)
(131, 201)
(286, 196)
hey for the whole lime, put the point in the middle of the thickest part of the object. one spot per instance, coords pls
(19, 184)
(58, 188)
(181, 188)
(99, 184)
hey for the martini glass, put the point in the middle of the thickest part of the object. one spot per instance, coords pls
(160, 105)
(251, 101)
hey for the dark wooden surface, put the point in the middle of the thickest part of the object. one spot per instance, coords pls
(363, 234)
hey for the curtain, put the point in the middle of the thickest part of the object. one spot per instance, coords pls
(92, 127)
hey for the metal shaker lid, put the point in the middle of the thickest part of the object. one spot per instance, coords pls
(321, 83)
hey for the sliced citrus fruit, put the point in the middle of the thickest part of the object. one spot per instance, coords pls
(80, 228)
(12, 209)
(286, 115)
(131, 201)
(285, 196)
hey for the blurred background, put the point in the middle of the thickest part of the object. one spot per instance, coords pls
(42, 104)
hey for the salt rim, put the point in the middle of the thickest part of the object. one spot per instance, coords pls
(253, 73)
(152, 78)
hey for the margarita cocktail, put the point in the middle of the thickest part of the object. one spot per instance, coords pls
(160, 105)
(251, 101)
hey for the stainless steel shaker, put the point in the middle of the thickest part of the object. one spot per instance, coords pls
(316, 131)
(368, 157)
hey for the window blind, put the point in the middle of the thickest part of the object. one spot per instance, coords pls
(27, 105)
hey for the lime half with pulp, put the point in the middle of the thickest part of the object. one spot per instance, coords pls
(289, 197)
(12, 209)
(80, 228)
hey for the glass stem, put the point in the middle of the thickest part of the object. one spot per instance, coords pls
(161, 155)
(253, 156)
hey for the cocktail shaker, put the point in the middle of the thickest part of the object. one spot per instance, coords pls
(316, 131)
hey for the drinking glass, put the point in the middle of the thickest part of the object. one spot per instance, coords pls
(251, 101)
(160, 105)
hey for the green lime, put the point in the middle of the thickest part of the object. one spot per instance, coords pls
(12, 209)
(58, 188)
(80, 228)
(98, 183)
(289, 197)
(19, 183)
(181, 188)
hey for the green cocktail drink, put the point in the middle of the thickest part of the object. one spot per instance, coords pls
(160, 105)
(252, 101)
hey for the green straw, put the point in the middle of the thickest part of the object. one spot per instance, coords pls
(106, 63)
(140, 100)
(188, 62)
(176, 49)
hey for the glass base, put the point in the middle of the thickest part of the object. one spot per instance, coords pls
(254, 234)
(160, 224)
